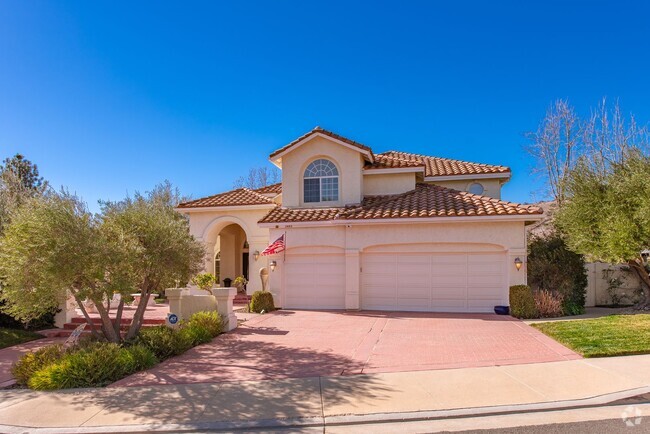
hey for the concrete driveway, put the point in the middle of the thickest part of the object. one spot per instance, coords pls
(289, 344)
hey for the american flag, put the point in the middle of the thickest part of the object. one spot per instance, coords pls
(276, 246)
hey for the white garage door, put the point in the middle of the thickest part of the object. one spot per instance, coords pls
(314, 281)
(435, 282)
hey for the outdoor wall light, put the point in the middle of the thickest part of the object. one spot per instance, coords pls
(256, 255)
(518, 263)
(273, 264)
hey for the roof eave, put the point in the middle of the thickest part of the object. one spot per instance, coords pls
(440, 219)
(188, 210)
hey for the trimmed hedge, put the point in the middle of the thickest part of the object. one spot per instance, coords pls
(262, 301)
(31, 363)
(211, 321)
(98, 364)
(522, 302)
(166, 342)
(163, 341)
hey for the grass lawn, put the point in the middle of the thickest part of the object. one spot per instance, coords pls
(9, 337)
(614, 335)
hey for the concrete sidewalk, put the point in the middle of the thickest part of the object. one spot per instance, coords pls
(319, 401)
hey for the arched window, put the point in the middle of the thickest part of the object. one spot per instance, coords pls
(321, 182)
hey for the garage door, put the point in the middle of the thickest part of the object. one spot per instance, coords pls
(435, 282)
(314, 281)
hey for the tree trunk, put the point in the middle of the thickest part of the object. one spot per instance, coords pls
(138, 316)
(107, 324)
(644, 277)
(89, 321)
(118, 316)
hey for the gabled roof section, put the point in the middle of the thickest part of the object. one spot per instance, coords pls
(238, 197)
(425, 201)
(436, 166)
(320, 131)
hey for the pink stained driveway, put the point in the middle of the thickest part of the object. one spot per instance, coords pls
(286, 344)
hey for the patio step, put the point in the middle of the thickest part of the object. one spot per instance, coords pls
(242, 299)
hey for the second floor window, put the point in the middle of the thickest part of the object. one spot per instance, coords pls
(321, 182)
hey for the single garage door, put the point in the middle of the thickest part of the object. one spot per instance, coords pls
(434, 282)
(314, 281)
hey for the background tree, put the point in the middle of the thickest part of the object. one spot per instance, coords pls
(258, 177)
(555, 147)
(54, 248)
(19, 180)
(563, 138)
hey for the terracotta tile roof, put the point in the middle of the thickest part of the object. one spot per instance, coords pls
(289, 215)
(325, 132)
(425, 201)
(273, 188)
(386, 162)
(435, 166)
(434, 201)
(238, 197)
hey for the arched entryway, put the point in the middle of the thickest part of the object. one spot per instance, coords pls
(231, 253)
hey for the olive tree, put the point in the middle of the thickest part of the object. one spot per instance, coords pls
(54, 247)
(163, 251)
(608, 215)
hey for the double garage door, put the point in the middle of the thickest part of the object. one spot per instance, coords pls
(403, 281)
(433, 282)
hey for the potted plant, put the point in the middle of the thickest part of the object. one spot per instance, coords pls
(240, 282)
(204, 281)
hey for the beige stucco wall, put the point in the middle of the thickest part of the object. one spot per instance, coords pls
(492, 186)
(599, 273)
(206, 226)
(388, 183)
(349, 163)
(353, 240)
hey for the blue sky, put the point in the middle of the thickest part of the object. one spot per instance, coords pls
(109, 98)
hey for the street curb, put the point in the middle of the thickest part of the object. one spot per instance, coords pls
(319, 422)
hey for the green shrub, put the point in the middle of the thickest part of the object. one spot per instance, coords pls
(96, 365)
(522, 302)
(163, 341)
(571, 308)
(553, 267)
(262, 301)
(209, 320)
(193, 335)
(141, 358)
(32, 362)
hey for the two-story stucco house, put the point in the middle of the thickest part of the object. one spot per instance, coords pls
(365, 230)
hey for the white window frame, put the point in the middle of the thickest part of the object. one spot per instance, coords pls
(320, 183)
